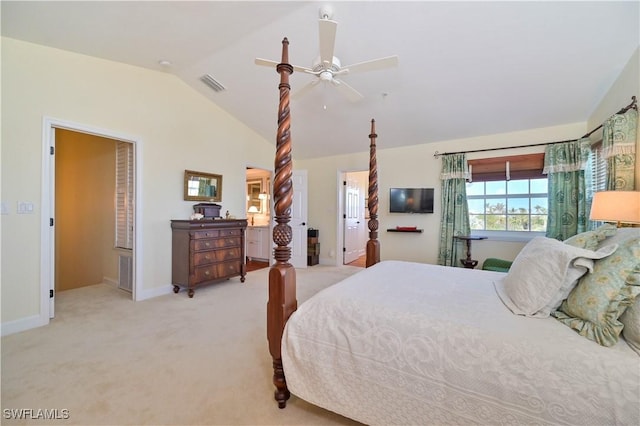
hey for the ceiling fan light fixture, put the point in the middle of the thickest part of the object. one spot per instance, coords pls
(326, 76)
(326, 12)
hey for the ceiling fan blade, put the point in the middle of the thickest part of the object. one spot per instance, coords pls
(269, 63)
(327, 41)
(352, 94)
(372, 65)
(304, 89)
(265, 62)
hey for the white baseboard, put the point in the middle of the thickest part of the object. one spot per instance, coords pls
(110, 281)
(150, 293)
(331, 261)
(23, 324)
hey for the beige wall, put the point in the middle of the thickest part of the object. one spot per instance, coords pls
(177, 129)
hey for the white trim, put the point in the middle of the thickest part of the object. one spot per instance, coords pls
(47, 239)
(144, 294)
(338, 259)
(48, 208)
(509, 236)
(24, 324)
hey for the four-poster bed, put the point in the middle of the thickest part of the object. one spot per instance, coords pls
(410, 343)
(282, 278)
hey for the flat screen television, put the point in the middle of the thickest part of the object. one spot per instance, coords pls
(411, 200)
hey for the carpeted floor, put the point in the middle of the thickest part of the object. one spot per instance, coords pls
(169, 360)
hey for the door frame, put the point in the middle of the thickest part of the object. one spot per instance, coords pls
(47, 244)
(299, 230)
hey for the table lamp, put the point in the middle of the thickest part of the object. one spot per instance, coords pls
(252, 211)
(616, 206)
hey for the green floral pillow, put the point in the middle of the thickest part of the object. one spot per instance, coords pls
(589, 240)
(595, 304)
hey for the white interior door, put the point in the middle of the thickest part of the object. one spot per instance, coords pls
(299, 219)
(352, 220)
(52, 234)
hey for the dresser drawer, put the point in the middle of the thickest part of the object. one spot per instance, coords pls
(199, 245)
(216, 271)
(215, 233)
(209, 233)
(212, 256)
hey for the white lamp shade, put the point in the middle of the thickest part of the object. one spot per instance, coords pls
(616, 206)
(253, 209)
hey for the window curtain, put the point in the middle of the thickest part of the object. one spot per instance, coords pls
(454, 217)
(566, 165)
(619, 149)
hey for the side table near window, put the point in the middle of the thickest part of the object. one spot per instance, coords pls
(468, 263)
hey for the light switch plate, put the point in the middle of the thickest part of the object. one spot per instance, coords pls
(25, 207)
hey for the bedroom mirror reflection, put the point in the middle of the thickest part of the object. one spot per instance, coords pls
(254, 202)
(201, 186)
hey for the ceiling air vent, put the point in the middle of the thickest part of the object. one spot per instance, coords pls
(211, 82)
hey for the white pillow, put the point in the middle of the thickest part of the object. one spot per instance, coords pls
(543, 274)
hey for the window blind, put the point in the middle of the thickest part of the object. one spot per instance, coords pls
(528, 166)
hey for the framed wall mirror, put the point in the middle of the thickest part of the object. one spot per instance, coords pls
(254, 189)
(199, 186)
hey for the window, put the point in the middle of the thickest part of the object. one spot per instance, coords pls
(508, 194)
(513, 205)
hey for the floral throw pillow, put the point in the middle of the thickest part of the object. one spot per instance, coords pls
(589, 240)
(631, 321)
(594, 306)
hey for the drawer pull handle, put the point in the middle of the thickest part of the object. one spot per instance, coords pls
(207, 244)
(207, 257)
(206, 273)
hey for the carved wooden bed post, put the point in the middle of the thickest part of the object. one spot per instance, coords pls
(373, 245)
(282, 275)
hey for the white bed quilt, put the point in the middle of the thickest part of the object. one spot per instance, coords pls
(437, 346)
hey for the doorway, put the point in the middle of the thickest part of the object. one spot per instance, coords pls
(354, 217)
(259, 247)
(81, 192)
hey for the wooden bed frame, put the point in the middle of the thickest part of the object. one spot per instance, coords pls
(282, 275)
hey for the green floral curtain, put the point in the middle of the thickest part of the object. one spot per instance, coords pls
(566, 165)
(619, 149)
(454, 219)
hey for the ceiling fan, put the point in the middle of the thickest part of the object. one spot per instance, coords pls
(326, 67)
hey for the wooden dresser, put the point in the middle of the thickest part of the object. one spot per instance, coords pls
(205, 251)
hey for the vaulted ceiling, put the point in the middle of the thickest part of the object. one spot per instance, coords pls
(464, 68)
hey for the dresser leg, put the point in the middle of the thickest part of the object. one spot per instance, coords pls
(191, 292)
(176, 289)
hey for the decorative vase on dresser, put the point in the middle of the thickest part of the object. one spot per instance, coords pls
(206, 250)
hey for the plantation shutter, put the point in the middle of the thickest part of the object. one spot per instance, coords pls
(124, 195)
(598, 168)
